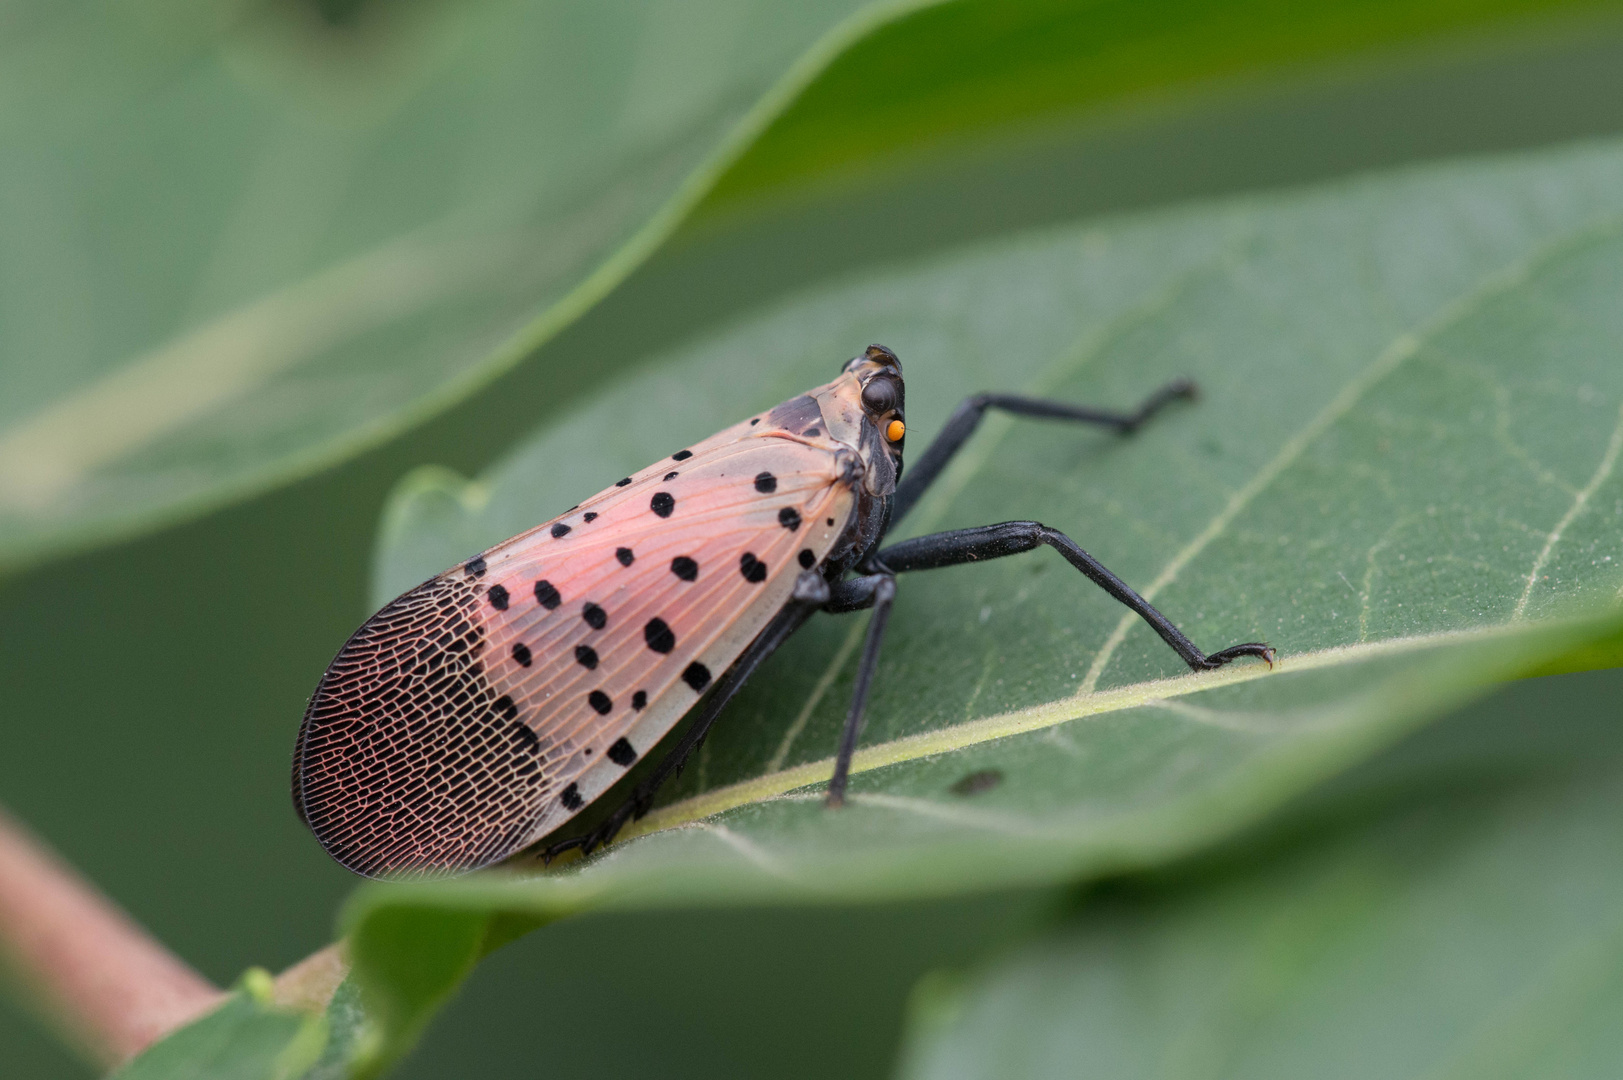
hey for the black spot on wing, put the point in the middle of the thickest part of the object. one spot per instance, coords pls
(498, 597)
(475, 568)
(766, 483)
(681, 455)
(586, 657)
(807, 559)
(672, 476)
(595, 616)
(625, 555)
(559, 531)
(600, 701)
(696, 675)
(546, 595)
(622, 483)
(753, 569)
(685, 568)
(658, 635)
(521, 653)
(570, 797)
(662, 503)
(589, 516)
(622, 753)
(639, 700)
(789, 518)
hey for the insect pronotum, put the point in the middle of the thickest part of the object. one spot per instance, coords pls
(479, 712)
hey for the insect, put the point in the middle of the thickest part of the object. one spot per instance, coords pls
(479, 712)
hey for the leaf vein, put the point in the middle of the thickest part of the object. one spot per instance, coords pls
(1401, 348)
(1603, 471)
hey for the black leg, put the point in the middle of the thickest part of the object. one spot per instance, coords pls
(854, 594)
(967, 417)
(881, 594)
(811, 592)
(995, 541)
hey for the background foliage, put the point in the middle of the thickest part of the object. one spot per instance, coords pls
(154, 684)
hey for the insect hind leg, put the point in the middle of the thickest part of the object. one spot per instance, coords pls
(811, 592)
(1012, 537)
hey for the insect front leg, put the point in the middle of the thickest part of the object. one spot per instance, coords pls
(1011, 537)
(967, 417)
(811, 592)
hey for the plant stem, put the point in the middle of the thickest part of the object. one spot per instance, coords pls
(96, 972)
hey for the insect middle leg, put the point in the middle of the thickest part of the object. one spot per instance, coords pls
(969, 413)
(1012, 537)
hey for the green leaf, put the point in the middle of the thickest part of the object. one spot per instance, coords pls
(244, 1039)
(952, 71)
(1403, 473)
(242, 241)
(1456, 916)
(256, 1036)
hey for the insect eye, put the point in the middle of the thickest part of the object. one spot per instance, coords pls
(895, 430)
(879, 396)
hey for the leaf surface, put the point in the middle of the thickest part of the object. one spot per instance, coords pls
(1469, 928)
(1402, 473)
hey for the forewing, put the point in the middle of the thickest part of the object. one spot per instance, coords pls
(481, 710)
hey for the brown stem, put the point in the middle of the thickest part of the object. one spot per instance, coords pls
(309, 984)
(97, 973)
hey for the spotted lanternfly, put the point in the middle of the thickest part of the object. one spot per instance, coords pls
(481, 711)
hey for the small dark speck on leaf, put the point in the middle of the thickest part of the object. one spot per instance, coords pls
(977, 782)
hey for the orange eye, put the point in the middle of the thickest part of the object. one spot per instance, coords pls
(895, 430)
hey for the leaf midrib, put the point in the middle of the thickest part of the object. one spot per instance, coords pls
(1036, 718)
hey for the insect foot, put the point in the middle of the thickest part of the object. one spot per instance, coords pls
(1260, 649)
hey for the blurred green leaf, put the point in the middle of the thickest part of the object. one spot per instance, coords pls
(244, 1039)
(945, 73)
(1403, 473)
(241, 241)
(253, 1037)
(1455, 921)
